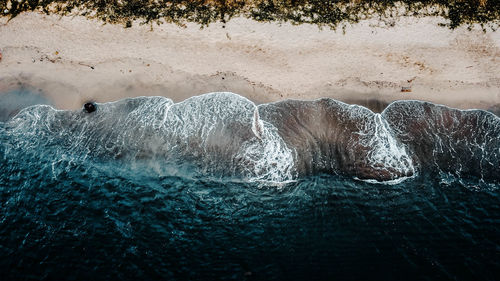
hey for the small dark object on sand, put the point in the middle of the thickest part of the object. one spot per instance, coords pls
(89, 107)
(406, 89)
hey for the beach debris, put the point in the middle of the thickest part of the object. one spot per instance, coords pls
(87, 65)
(52, 60)
(411, 80)
(0, 55)
(5, 11)
(405, 89)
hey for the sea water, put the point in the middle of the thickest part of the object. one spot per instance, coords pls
(217, 188)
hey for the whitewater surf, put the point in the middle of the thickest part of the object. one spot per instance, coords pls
(217, 188)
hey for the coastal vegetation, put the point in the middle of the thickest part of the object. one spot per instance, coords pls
(330, 13)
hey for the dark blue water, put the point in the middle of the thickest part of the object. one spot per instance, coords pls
(67, 215)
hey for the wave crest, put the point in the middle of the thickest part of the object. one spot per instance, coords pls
(225, 134)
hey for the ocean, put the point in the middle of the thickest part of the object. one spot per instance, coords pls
(218, 188)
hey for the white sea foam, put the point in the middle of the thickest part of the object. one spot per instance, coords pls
(220, 123)
(222, 134)
(385, 152)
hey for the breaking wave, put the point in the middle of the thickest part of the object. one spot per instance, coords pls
(226, 135)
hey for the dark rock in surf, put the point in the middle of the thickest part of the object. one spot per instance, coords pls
(89, 107)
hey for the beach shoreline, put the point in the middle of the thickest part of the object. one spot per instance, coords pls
(70, 60)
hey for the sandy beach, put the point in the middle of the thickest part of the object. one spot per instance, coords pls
(70, 60)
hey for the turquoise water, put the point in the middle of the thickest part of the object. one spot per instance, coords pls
(95, 197)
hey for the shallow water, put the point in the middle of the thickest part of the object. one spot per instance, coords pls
(81, 210)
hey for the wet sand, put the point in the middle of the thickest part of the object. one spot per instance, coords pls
(70, 60)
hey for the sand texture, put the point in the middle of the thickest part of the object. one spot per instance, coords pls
(71, 60)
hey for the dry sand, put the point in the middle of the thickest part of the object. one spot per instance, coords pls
(72, 59)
